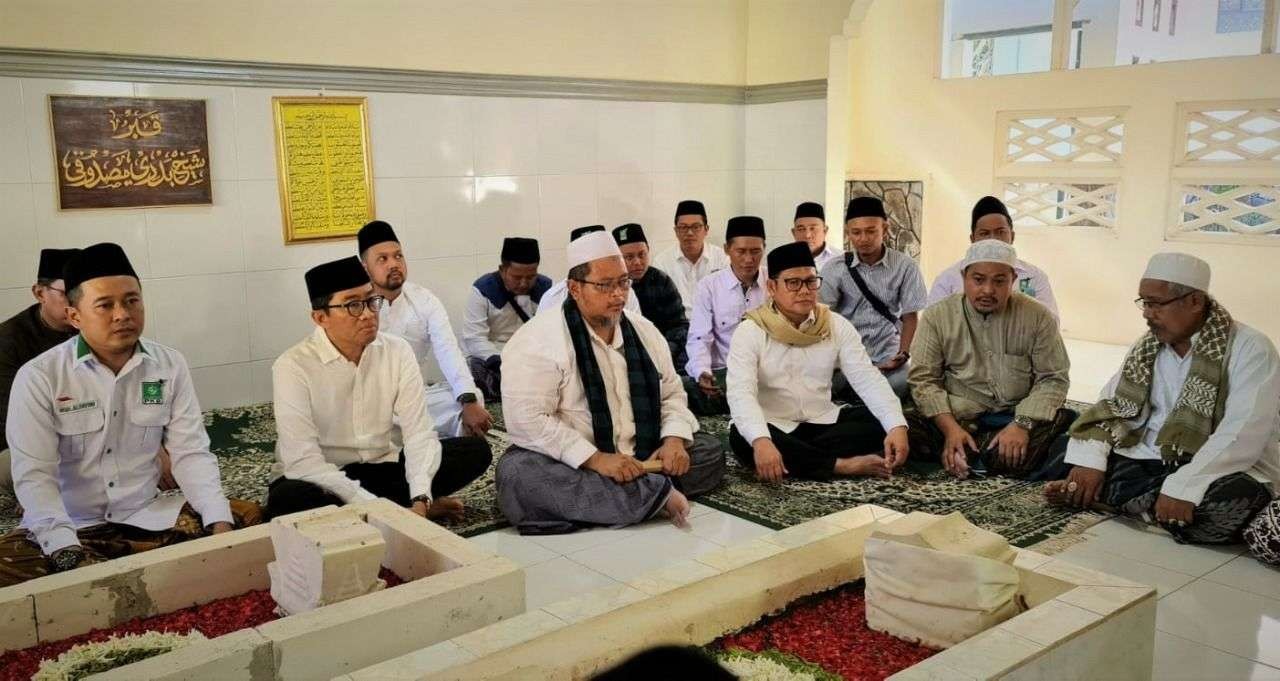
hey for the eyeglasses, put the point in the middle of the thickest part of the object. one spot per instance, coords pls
(811, 283)
(689, 229)
(61, 291)
(1145, 305)
(623, 284)
(355, 308)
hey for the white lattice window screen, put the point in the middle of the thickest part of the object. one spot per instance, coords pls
(1060, 168)
(1226, 172)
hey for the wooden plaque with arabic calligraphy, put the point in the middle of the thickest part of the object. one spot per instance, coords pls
(326, 172)
(126, 152)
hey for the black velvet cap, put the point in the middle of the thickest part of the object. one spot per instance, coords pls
(374, 233)
(98, 260)
(521, 250)
(865, 207)
(339, 275)
(986, 206)
(52, 260)
(793, 254)
(577, 232)
(691, 207)
(630, 233)
(743, 225)
(809, 209)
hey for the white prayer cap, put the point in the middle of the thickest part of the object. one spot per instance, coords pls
(990, 250)
(1179, 268)
(590, 247)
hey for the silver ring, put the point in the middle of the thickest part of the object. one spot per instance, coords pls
(1072, 486)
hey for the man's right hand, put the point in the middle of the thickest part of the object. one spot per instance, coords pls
(617, 467)
(1084, 486)
(955, 451)
(769, 466)
(707, 383)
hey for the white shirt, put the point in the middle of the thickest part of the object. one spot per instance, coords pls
(554, 298)
(330, 413)
(1032, 281)
(773, 383)
(84, 442)
(719, 305)
(686, 274)
(825, 256)
(419, 317)
(1245, 440)
(545, 405)
(485, 328)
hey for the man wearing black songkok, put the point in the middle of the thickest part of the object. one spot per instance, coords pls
(657, 294)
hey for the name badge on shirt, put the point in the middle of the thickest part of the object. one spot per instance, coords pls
(1024, 285)
(153, 392)
(74, 407)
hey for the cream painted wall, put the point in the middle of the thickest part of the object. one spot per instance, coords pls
(787, 39)
(696, 41)
(905, 123)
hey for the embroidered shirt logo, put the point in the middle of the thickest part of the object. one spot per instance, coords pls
(1025, 286)
(153, 392)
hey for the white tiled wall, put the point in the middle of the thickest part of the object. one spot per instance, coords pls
(452, 174)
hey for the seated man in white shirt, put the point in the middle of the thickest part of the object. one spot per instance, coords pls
(415, 314)
(1184, 435)
(591, 398)
(781, 363)
(85, 420)
(990, 220)
(810, 226)
(498, 304)
(352, 421)
(692, 259)
(555, 296)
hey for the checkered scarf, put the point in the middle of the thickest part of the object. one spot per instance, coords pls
(642, 377)
(1198, 409)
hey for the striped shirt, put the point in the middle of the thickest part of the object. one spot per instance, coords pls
(895, 279)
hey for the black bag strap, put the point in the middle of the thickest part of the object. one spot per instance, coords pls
(876, 303)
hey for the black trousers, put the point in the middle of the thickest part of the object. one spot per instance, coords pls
(810, 451)
(462, 459)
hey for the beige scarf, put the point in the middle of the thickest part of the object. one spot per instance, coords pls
(780, 328)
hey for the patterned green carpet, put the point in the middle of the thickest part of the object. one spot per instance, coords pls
(244, 438)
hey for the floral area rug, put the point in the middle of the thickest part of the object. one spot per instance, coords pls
(243, 438)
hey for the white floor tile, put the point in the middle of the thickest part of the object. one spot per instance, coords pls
(1178, 659)
(564, 544)
(558, 579)
(509, 544)
(696, 509)
(652, 546)
(1092, 365)
(1135, 540)
(1233, 621)
(725, 529)
(1247, 574)
(1091, 556)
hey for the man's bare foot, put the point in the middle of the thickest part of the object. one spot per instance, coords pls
(677, 509)
(1055, 493)
(871, 465)
(445, 508)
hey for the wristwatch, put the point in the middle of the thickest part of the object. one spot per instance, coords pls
(467, 398)
(421, 497)
(1025, 422)
(67, 558)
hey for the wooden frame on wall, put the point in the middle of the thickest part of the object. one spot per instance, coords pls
(324, 166)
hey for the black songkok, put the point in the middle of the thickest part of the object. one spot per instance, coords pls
(691, 207)
(373, 234)
(52, 260)
(986, 206)
(630, 233)
(573, 236)
(520, 250)
(332, 277)
(98, 260)
(809, 209)
(793, 254)
(865, 207)
(743, 225)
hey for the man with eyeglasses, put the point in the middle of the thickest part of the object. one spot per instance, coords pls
(498, 304)
(415, 314)
(658, 296)
(878, 289)
(691, 260)
(85, 421)
(718, 307)
(31, 332)
(990, 220)
(600, 430)
(554, 298)
(352, 421)
(989, 374)
(779, 383)
(1184, 435)
(809, 226)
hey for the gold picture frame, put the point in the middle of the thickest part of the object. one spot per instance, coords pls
(324, 166)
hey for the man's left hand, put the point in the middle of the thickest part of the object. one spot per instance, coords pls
(220, 527)
(1011, 445)
(1170, 511)
(476, 420)
(896, 447)
(892, 363)
(674, 457)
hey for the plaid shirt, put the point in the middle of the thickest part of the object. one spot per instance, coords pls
(661, 304)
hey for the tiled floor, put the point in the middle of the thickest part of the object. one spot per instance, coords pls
(1218, 616)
